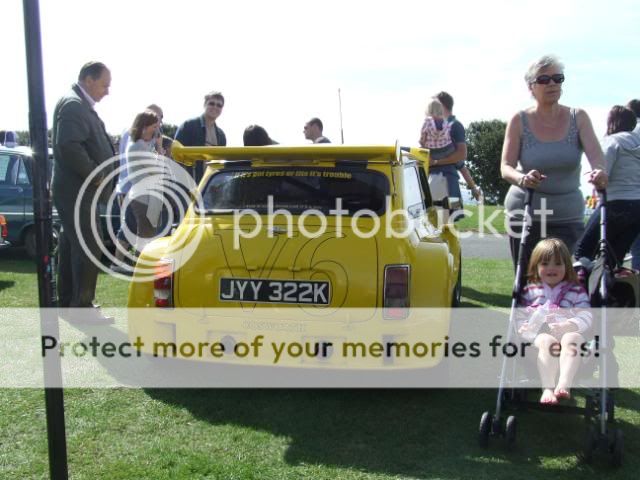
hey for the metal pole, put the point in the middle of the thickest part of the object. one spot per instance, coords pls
(340, 107)
(54, 401)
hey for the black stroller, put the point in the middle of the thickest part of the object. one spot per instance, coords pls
(601, 434)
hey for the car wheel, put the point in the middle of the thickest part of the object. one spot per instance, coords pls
(456, 298)
(30, 242)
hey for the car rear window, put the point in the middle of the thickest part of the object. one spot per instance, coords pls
(296, 189)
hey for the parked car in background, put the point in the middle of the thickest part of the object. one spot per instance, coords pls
(16, 196)
(16, 199)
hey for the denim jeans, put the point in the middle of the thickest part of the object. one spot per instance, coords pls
(635, 254)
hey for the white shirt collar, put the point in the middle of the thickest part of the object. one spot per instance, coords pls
(91, 101)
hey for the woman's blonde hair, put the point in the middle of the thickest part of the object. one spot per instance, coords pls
(434, 108)
(547, 250)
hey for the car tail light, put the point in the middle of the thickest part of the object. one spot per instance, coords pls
(163, 284)
(4, 231)
(396, 291)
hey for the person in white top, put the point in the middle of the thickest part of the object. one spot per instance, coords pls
(141, 154)
(634, 106)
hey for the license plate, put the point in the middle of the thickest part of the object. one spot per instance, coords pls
(274, 291)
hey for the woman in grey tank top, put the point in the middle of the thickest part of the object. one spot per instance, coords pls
(542, 149)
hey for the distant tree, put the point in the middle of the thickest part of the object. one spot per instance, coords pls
(23, 137)
(169, 130)
(484, 149)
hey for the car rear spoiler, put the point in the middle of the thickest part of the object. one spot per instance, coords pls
(189, 155)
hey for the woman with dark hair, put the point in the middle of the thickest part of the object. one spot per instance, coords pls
(622, 155)
(542, 150)
(141, 154)
(256, 136)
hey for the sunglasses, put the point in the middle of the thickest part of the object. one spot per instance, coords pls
(546, 79)
(215, 104)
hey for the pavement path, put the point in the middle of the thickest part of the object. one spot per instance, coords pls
(485, 246)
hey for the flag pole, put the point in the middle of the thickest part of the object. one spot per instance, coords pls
(340, 108)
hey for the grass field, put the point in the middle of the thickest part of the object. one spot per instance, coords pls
(482, 218)
(293, 434)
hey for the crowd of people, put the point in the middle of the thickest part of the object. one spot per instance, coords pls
(542, 151)
(81, 145)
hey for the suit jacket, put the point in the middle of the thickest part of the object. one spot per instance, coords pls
(80, 144)
(192, 133)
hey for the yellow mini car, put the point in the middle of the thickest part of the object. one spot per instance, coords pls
(308, 243)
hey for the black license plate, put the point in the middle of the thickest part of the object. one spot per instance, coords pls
(274, 291)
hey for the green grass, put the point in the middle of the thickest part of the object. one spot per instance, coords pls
(480, 217)
(293, 434)
(486, 283)
(19, 286)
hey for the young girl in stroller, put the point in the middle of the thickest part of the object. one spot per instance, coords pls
(557, 317)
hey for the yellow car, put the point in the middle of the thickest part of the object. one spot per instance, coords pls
(333, 244)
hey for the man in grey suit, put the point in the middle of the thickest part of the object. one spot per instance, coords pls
(80, 144)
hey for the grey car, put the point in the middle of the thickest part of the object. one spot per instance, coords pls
(16, 197)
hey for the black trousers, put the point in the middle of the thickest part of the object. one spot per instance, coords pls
(77, 273)
(623, 226)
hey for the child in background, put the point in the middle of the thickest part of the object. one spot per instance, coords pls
(436, 136)
(553, 293)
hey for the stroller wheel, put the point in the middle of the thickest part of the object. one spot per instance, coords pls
(485, 429)
(616, 448)
(510, 431)
(610, 408)
(590, 407)
(590, 444)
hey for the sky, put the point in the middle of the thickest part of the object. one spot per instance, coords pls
(282, 62)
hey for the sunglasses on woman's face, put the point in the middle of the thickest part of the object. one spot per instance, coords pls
(215, 104)
(546, 79)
